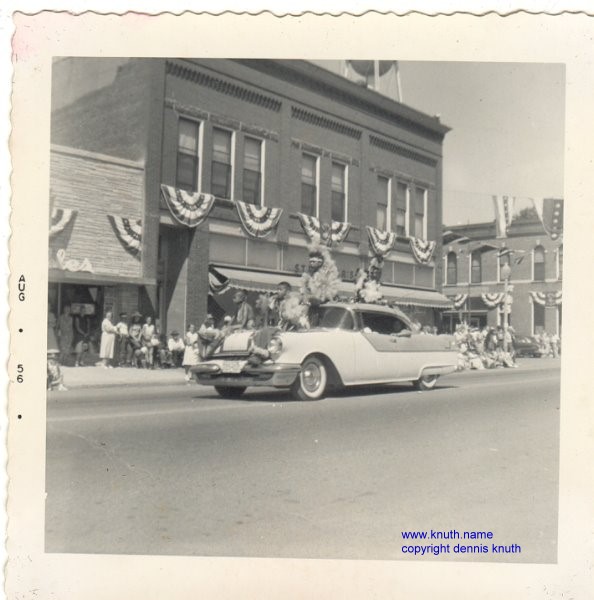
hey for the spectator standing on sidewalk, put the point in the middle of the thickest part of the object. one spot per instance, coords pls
(191, 357)
(65, 332)
(121, 342)
(147, 332)
(136, 350)
(177, 348)
(108, 335)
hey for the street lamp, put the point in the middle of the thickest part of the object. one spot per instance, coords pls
(505, 273)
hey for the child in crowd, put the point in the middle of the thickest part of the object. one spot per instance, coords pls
(55, 378)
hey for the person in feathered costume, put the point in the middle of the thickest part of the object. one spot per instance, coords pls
(368, 286)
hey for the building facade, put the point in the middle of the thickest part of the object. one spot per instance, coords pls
(271, 133)
(474, 278)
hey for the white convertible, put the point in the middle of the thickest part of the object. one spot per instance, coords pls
(353, 344)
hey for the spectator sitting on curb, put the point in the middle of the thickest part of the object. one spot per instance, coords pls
(55, 378)
(177, 347)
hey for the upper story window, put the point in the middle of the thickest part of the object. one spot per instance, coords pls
(451, 269)
(539, 263)
(560, 263)
(309, 185)
(383, 203)
(476, 265)
(188, 157)
(502, 260)
(400, 210)
(339, 192)
(222, 168)
(252, 171)
(420, 209)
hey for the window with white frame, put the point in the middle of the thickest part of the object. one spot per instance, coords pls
(400, 210)
(420, 209)
(309, 185)
(538, 317)
(252, 170)
(560, 262)
(339, 192)
(382, 211)
(476, 267)
(539, 263)
(452, 268)
(188, 155)
(502, 260)
(222, 165)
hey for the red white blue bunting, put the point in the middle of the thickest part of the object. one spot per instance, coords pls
(458, 300)
(187, 208)
(217, 282)
(332, 234)
(258, 222)
(550, 213)
(129, 232)
(493, 300)
(550, 298)
(59, 218)
(381, 241)
(422, 250)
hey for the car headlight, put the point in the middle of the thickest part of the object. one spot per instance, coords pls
(275, 347)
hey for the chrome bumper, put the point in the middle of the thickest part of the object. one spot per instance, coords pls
(273, 375)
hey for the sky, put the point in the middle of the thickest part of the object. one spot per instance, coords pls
(507, 134)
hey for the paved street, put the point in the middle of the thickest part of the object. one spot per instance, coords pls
(177, 470)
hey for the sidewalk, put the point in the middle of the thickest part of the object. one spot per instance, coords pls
(91, 377)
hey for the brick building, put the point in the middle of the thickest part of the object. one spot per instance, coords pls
(274, 133)
(472, 268)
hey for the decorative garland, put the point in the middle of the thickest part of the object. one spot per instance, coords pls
(381, 241)
(128, 232)
(332, 234)
(422, 249)
(541, 297)
(493, 300)
(59, 218)
(458, 300)
(188, 209)
(217, 282)
(258, 222)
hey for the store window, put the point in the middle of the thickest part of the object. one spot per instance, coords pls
(476, 267)
(252, 171)
(221, 163)
(383, 202)
(539, 263)
(502, 260)
(188, 158)
(538, 318)
(339, 192)
(309, 185)
(452, 269)
(400, 210)
(420, 230)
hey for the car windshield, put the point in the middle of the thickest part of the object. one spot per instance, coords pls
(335, 317)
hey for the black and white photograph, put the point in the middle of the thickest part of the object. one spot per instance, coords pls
(299, 286)
(305, 308)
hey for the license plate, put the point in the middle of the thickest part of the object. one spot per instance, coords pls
(232, 366)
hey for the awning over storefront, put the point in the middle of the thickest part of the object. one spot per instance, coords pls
(263, 281)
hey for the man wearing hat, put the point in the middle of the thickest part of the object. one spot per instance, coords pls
(176, 347)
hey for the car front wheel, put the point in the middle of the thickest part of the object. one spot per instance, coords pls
(228, 391)
(426, 382)
(312, 382)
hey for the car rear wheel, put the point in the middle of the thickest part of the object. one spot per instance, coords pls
(229, 391)
(426, 382)
(312, 381)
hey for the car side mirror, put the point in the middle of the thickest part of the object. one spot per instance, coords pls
(404, 333)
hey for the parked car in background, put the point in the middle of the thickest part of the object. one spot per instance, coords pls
(353, 344)
(527, 346)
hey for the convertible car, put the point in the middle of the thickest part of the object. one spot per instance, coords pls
(352, 344)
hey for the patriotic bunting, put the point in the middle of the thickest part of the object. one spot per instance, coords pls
(217, 282)
(422, 249)
(188, 209)
(59, 218)
(504, 209)
(493, 300)
(550, 213)
(381, 241)
(332, 234)
(128, 232)
(258, 222)
(458, 300)
(547, 298)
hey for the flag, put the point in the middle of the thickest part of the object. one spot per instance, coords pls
(504, 209)
(550, 213)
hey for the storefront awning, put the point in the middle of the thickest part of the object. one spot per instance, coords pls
(263, 281)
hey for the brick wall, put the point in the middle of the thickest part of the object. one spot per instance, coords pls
(95, 186)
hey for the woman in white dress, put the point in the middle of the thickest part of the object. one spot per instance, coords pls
(108, 335)
(191, 356)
